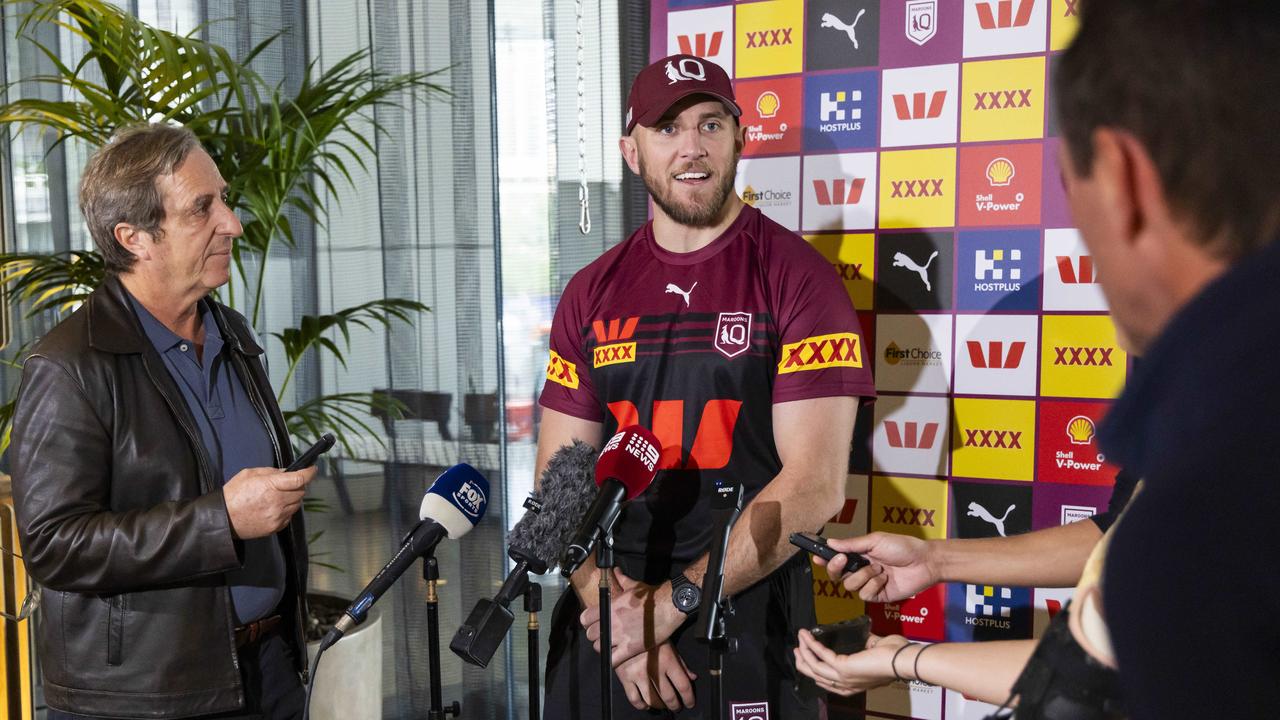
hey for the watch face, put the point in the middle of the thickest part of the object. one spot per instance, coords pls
(686, 597)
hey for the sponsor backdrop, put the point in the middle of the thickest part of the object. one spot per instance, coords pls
(910, 141)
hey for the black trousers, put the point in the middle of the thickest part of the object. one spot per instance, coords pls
(760, 679)
(272, 688)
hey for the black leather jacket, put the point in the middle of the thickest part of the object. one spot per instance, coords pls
(124, 525)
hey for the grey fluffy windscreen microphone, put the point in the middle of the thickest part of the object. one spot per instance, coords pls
(536, 543)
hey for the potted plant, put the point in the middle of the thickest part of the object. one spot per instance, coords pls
(278, 151)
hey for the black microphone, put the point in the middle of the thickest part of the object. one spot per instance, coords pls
(453, 505)
(555, 509)
(626, 466)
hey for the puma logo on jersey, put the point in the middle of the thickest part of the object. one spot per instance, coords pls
(673, 288)
(903, 261)
(976, 510)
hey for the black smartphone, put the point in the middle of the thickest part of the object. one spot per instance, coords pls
(845, 637)
(308, 458)
(817, 545)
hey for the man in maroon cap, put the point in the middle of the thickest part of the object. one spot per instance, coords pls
(734, 342)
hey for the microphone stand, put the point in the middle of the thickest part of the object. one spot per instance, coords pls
(532, 605)
(604, 561)
(431, 573)
(726, 505)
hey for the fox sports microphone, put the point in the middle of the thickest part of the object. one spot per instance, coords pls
(625, 468)
(554, 511)
(453, 505)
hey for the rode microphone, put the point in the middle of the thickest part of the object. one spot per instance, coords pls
(555, 510)
(625, 468)
(453, 505)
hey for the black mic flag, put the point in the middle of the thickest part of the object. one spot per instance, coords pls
(536, 542)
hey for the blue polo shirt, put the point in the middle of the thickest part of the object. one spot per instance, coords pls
(234, 436)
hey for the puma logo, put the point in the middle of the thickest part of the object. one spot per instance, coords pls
(976, 510)
(903, 261)
(831, 21)
(673, 288)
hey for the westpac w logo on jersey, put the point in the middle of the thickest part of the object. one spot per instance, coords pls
(707, 34)
(918, 105)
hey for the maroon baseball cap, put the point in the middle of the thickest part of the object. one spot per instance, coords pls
(667, 81)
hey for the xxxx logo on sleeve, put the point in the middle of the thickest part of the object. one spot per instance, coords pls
(613, 341)
(770, 38)
(851, 256)
(562, 372)
(1002, 100)
(1080, 357)
(820, 352)
(994, 439)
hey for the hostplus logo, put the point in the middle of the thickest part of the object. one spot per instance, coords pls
(840, 111)
(988, 267)
(911, 435)
(1000, 15)
(703, 45)
(996, 439)
(1080, 273)
(835, 192)
(988, 606)
(1083, 356)
(769, 38)
(916, 517)
(919, 105)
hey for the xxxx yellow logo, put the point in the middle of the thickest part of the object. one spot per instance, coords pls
(562, 372)
(821, 351)
(1002, 100)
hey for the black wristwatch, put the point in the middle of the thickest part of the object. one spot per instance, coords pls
(684, 594)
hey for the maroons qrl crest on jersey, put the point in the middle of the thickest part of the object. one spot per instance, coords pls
(733, 333)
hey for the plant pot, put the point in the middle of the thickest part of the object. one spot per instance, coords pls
(349, 683)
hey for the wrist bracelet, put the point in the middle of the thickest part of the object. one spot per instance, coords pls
(915, 665)
(893, 664)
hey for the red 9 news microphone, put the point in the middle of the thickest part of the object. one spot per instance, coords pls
(625, 468)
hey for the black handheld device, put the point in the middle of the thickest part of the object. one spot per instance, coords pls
(308, 458)
(817, 545)
(844, 637)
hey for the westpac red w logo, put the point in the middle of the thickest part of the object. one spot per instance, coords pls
(1079, 274)
(611, 347)
(908, 435)
(712, 443)
(995, 357)
(698, 44)
(917, 109)
(833, 193)
(1004, 16)
(845, 516)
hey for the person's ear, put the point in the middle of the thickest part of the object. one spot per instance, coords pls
(630, 152)
(137, 242)
(1129, 184)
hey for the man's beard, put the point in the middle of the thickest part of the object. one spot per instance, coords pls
(691, 214)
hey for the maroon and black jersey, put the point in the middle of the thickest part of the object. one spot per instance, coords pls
(698, 347)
